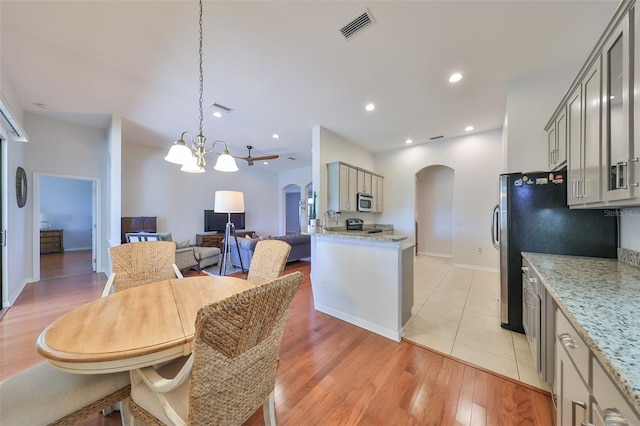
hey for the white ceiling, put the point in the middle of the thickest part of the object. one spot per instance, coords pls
(284, 67)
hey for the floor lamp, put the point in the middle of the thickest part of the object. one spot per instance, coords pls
(229, 202)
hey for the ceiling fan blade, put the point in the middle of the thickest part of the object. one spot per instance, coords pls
(265, 157)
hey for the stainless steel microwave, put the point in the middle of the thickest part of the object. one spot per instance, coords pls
(365, 202)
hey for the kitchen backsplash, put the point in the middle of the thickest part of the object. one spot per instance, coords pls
(630, 257)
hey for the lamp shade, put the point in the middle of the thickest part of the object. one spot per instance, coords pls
(179, 153)
(191, 166)
(226, 163)
(228, 202)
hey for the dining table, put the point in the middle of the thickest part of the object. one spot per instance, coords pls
(134, 328)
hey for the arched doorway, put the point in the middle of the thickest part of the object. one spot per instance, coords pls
(434, 211)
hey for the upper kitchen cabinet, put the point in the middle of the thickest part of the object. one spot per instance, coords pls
(346, 182)
(377, 191)
(600, 115)
(342, 189)
(557, 140)
(364, 182)
(617, 87)
(583, 138)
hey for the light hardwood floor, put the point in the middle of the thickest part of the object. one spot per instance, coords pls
(330, 372)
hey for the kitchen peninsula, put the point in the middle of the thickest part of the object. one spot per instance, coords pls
(364, 278)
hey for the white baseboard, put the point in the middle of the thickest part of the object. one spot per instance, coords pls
(448, 256)
(476, 267)
(369, 326)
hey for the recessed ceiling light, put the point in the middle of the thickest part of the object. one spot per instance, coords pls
(455, 77)
(275, 136)
(217, 114)
(408, 141)
(468, 128)
(370, 107)
(266, 162)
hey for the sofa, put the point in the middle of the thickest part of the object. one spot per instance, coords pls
(187, 256)
(300, 248)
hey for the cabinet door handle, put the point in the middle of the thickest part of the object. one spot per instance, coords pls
(631, 160)
(567, 341)
(575, 404)
(613, 417)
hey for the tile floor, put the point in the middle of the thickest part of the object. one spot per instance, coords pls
(456, 312)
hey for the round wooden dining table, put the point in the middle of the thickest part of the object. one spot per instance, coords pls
(134, 328)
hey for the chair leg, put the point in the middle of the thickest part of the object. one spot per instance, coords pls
(125, 416)
(269, 411)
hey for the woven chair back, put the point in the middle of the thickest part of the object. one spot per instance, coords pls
(142, 263)
(235, 352)
(268, 261)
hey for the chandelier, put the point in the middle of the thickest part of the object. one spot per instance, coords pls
(192, 157)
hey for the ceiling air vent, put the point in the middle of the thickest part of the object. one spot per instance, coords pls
(436, 137)
(357, 25)
(221, 108)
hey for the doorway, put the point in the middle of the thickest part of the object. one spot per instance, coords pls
(434, 210)
(292, 217)
(65, 208)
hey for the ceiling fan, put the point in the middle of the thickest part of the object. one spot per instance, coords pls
(249, 159)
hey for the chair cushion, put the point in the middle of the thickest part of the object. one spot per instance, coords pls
(42, 394)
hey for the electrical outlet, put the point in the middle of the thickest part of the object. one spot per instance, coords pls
(479, 249)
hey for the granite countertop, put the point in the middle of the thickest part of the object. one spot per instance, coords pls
(362, 235)
(601, 298)
(386, 234)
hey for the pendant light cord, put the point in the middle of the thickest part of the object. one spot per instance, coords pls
(201, 78)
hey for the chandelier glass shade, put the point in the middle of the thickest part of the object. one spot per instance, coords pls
(192, 157)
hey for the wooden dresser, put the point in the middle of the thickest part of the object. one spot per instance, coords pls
(214, 239)
(136, 224)
(51, 241)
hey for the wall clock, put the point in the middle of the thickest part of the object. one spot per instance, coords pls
(21, 187)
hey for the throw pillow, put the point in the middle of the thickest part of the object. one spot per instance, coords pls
(248, 237)
(182, 244)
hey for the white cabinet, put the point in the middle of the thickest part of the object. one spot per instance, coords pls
(583, 136)
(608, 402)
(342, 187)
(572, 375)
(364, 182)
(377, 191)
(575, 168)
(345, 182)
(573, 394)
(602, 403)
(617, 147)
(557, 140)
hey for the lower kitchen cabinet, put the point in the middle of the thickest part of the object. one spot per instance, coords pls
(609, 406)
(572, 375)
(586, 395)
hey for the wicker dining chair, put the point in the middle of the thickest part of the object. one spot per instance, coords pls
(136, 264)
(268, 261)
(232, 369)
(43, 395)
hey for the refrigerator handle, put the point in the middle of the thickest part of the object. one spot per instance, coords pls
(495, 217)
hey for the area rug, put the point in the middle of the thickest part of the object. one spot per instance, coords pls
(215, 269)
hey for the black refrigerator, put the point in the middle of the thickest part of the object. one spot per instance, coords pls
(532, 215)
